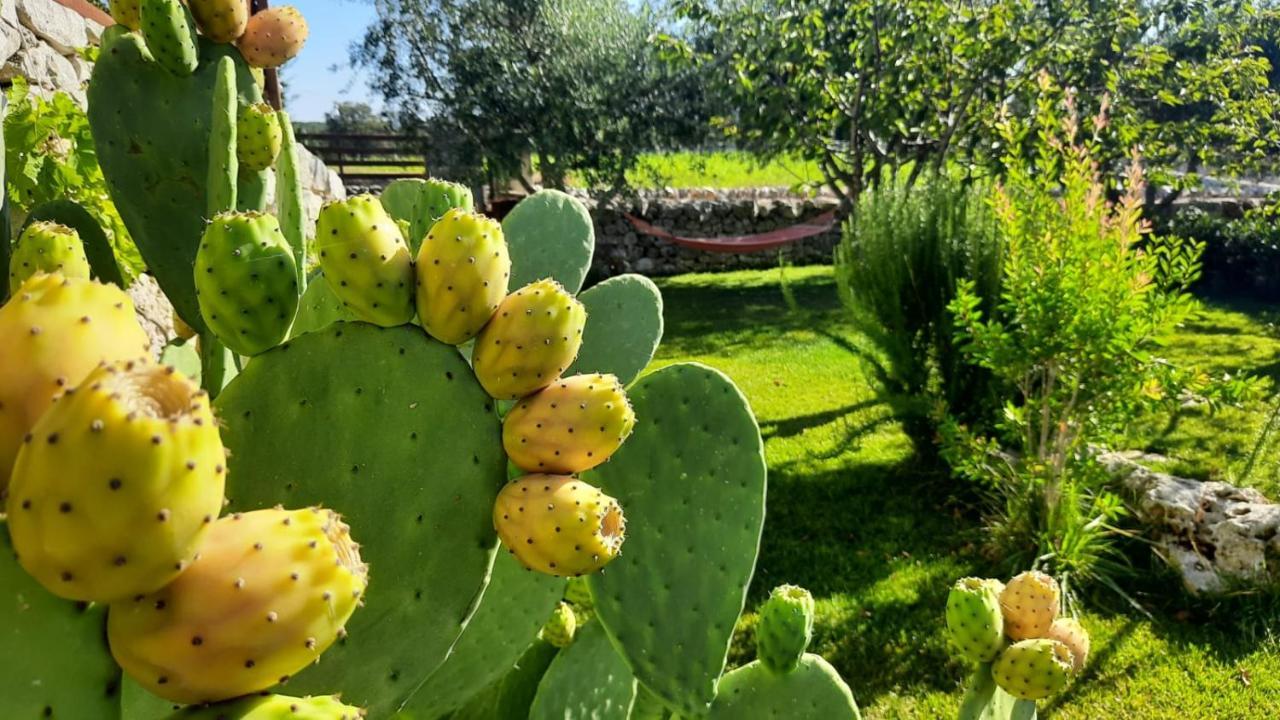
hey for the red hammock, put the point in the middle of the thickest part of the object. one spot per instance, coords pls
(742, 243)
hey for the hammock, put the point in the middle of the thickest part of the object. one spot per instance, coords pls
(742, 243)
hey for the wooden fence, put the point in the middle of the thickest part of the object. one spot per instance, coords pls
(368, 158)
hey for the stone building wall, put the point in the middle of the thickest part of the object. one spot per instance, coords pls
(705, 213)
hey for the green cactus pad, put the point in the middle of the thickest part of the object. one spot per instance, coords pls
(511, 696)
(273, 707)
(785, 628)
(138, 704)
(648, 706)
(624, 327)
(691, 480)
(152, 134)
(984, 700)
(390, 428)
(511, 611)
(550, 235)
(222, 193)
(53, 653)
(170, 33)
(319, 308)
(813, 691)
(587, 681)
(293, 216)
(102, 260)
(422, 202)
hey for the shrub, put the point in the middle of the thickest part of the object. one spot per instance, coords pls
(901, 259)
(1240, 254)
(50, 155)
(1087, 295)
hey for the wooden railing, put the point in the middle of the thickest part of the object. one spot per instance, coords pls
(368, 157)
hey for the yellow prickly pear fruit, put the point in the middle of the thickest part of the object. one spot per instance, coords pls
(221, 21)
(463, 268)
(570, 426)
(366, 261)
(271, 590)
(273, 37)
(117, 483)
(561, 626)
(559, 525)
(1071, 633)
(53, 332)
(181, 328)
(127, 13)
(258, 137)
(532, 338)
(1029, 604)
(273, 707)
(47, 247)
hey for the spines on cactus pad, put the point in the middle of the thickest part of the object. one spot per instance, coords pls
(586, 681)
(513, 607)
(53, 653)
(624, 327)
(812, 691)
(550, 235)
(391, 427)
(692, 481)
(152, 131)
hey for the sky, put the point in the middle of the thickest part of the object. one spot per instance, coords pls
(313, 84)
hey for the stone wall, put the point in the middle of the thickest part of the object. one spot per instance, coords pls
(704, 213)
(40, 40)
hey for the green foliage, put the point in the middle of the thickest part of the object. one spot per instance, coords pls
(860, 85)
(50, 155)
(1088, 298)
(1240, 254)
(575, 83)
(904, 253)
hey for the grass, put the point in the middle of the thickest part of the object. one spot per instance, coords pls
(876, 530)
(720, 170)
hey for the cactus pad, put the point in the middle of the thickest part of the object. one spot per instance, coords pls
(984, 700)
(813, 691)
(624, 327)
(55, 661)
(692, 481)
(586, 681)
(550, 235)
(512, 609)
(391, 427)
(319, 308)
(152, 134)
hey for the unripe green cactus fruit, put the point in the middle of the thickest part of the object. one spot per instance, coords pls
(170, 33)
(246, 281)
(785, 629)
(1071, 633)
(127, 12)
(366, 261)
(578, 593)
(273, 707)
(1030, 604)
(273, 37)
(258, 137)
(221, 20)
(117, 483)
(1033, 669)
(974, 620)
(271, 590)
(462, 275)
(570, 426)
(561, 626)
(559, 525)
(47, 247)
(532, 338)
(54, 331)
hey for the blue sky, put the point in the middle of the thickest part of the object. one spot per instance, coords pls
(313, 85)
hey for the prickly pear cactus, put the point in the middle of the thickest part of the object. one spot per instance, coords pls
(170, 32)
(624, 330)
(550, 235)
(271, 590)
(586, 681)
(571, 426)
(1033, 669)
(559, 525)
(48, 248)
(753, 692)
(221, 21)
(462, 272)
(127, 12)
(273, 37)
(274, 707)
(55, 647)
(561, 626)
(246, 281)
(152, 131)
(532, 339)
(412, 455)
(258, 137)
(97, 249)
(366, 261)
(974, 621)
(1030, 604)
(422, 203)
(1071, 633)
(785, 629)
(691, 479)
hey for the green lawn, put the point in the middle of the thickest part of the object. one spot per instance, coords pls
(878, 533)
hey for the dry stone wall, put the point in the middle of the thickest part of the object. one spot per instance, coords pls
(704, 213)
